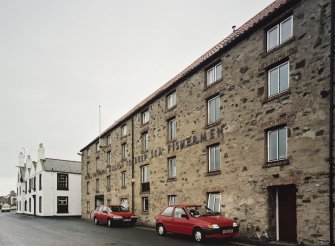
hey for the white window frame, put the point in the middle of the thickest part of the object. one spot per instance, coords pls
(89, 151)
(171, 100)
(279, 29)
(216, 76)
(145, 141)
(109, 181)
(216, 100)
(277, 138)
(214, 201)
(124, 179)
(278, 78)
(216, 167)
(123, 130)
(172, 200)
(145, 117)
(145, 174)
(172, 129)
(145, 204)
(124, 151)
(97, 145)
(172, 169)
(109, 158)
(109, 139)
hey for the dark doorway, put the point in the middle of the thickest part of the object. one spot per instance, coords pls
(34, 200)
(99, 200)
(283, 212)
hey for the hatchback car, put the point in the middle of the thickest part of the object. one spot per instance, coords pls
(196, 220)
(114, 215)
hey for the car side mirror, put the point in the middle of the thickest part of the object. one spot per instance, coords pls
(184, 216)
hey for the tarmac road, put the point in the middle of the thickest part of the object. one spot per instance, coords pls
(16, 229)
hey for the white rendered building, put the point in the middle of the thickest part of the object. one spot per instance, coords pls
(48, 187)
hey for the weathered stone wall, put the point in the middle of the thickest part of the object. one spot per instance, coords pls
(246, 113)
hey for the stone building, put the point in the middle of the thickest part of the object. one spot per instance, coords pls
(246, 129)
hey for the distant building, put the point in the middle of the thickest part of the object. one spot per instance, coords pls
(10, 199)
(48, 187)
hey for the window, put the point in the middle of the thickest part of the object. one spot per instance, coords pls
(97, 145)
(123, 130)
(62, 204)
(88, 207)
(109, 139)
(97, 186)
(214, 158)
(277, 144)
(213, 110)
(123, 179)
(34, 184)
(172, 168)
(124, 202)
(39, 182)
(109, 158)
(145, 117)
(171, 100)
(88, 152)
(145, 141)
(278, 79)
(167, 212)
(29, 185)
(178, 212)
(280, 33)
(124, 151)
(145, 204)
(172, 129)
(109, 183)
(29, 204)
(214, 74)
(214, 201)
(40, 204)
(25, 187)
(88, 188)
(97, 164)
(88, 165)
(62, 181)
(172, 200)
(145, 178)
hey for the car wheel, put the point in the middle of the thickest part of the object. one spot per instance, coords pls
(96, 221)
(160, 230)
(198, 235)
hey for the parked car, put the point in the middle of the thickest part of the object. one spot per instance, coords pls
(114, 215)
(196, 220)
(5, 208)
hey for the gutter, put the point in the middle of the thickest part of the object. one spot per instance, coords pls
(132, 167)
(331, 128)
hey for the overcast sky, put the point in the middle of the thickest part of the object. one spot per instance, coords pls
(60, 60)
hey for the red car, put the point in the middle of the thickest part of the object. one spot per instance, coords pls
(113, 215)
(196, 220)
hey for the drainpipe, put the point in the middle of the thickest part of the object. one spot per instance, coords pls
(132, 167)
(331, 129)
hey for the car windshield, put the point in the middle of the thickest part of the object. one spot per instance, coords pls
(196, 211)
(118, 209)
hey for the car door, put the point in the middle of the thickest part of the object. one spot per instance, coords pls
(181, 222)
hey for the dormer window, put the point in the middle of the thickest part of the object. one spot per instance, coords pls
(280, 33)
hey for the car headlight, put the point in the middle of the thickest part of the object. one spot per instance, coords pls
(117, 217)
(235, 224)
(214, 226)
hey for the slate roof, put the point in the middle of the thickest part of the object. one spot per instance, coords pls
(62, 166)
(225, 43)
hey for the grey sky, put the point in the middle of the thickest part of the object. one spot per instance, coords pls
(60, 59)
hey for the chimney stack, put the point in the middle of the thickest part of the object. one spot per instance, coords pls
(41, 152)
(29, 162)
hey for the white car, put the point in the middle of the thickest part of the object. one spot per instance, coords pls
(5, 208)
